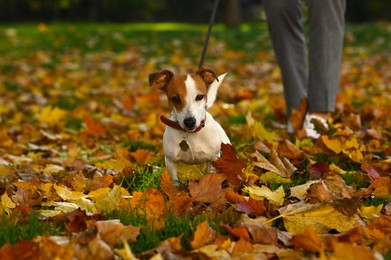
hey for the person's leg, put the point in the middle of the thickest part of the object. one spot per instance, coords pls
(284, 18)
(326, 22)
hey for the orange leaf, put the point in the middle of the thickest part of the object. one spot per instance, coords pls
(167, 186)
(309, 240)
(21, 250)
(95, 127)
(239, 232)
(297, 117)
(203, 235)
(230, 165)
(140, 156)
(242, 247)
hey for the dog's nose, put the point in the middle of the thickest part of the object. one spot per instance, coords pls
(190, 122)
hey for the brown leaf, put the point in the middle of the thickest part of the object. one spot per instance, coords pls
(366, 167)
(260, 234)
(20, 250)
(288, 150)
(204, 235)
(230, 165)
(113, 232)
(209, 189)
(250, 207)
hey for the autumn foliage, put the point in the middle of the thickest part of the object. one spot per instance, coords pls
(80, 146)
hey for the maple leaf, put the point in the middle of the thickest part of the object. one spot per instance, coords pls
(230, 165)
(95, 127)
(209, 189)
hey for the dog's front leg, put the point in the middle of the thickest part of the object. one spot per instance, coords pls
(172, 169)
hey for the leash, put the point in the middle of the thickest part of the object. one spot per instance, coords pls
(212, 18)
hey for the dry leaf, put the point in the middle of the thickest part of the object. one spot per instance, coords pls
(259, 193)
(230, 165)
(203, 235)
(320, 217)
(113, 232)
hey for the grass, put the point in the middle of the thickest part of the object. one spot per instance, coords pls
(12, 230)
(174, 226)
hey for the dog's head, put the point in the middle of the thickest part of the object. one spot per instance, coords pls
(188, 96)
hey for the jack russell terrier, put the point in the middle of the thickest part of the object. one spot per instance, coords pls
(192, 135)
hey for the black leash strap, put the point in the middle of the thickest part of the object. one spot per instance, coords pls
(212, 18)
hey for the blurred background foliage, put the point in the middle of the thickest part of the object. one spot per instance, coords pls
(231, 12)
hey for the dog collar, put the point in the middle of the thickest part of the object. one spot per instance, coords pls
(177, 126)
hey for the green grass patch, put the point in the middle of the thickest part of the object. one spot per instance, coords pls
(14, 229)
(142, 178)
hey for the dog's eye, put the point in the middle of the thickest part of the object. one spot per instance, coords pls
(199, 97)
(176, 100)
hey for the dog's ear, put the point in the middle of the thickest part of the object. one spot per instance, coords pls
(160, 79)
(207, 75)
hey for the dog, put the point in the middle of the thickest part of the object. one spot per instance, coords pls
(192, 135)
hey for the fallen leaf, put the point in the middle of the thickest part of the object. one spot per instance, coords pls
(320, 217)
(259, 193)
(203, 235)
(230, 165)
(309, 240)
(209, 189)
(298, 115)
(113, 232)
(239, 232)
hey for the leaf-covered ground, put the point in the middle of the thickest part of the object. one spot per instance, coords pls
(81, 161)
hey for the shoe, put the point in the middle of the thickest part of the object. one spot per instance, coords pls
(309, 127)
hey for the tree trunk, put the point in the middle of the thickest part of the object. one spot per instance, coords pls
(232, 13)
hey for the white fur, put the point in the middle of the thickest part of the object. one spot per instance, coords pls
(204, 146)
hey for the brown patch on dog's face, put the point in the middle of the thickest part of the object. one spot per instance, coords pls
(176, 93)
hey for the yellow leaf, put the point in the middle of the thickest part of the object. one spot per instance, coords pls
(106, 200)
(190, 171)
(370, 212)
(334, 145)
(261, 133)
(6, 203)
(66, 194)
(260, 193)
(51, 116)
(320, 217)
(126, 252)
